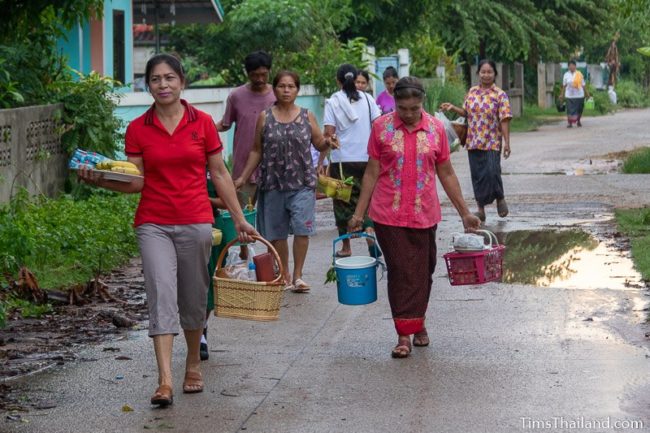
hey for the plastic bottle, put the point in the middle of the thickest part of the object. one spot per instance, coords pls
(251, 271)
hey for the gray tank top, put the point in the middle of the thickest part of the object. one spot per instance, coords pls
(286, 156)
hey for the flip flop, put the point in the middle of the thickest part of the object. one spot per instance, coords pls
(299, 286)
(193, 382)
(163, 396)
(339, 254)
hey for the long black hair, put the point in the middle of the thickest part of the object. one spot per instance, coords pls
(346, 75)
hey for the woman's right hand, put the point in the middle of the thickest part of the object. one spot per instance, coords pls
(89, 176)
(355, 224)
(239, 182)
(446, 106)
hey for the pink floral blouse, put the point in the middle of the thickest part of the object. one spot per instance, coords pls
(485, 109)
(405, 194)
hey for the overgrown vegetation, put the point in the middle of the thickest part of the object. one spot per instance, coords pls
(635, 224)
(63, 241)
(637, 162)
(437, 93)
(533, 117)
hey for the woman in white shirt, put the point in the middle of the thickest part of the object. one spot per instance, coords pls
(574, 89)
(348, 115)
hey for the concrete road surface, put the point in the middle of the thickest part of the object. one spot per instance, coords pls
(503, 358)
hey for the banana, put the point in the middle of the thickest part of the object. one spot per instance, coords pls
(118, 166)
(126, 170)
(125, 164)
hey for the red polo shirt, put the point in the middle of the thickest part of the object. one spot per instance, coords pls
(174, 190)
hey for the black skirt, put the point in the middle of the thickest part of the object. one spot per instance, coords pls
(485, 166)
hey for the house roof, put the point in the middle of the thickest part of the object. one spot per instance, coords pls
(177, 11)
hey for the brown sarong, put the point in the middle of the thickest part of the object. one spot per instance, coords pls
(411, 259)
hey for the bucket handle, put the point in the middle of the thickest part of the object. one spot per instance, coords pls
(352, 235)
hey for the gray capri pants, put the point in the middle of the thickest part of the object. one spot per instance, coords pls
(175, 264)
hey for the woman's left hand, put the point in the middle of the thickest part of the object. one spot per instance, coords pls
(506, 151)
(245, 231)
(471, 222)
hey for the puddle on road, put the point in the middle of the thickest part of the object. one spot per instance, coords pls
(566, 259)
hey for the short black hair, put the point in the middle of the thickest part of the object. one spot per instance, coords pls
(390, 72)
(257, 59)
(170, 59)
(487, 62)
(572, 62)
(409, 87)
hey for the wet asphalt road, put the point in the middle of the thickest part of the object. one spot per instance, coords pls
(503, 358)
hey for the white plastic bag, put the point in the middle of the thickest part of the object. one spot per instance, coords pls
(449, 129)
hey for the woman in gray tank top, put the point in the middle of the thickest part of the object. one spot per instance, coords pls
(284, 135)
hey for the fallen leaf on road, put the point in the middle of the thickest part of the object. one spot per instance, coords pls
(127, 408)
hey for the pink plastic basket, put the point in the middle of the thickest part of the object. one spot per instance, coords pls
(475, 267)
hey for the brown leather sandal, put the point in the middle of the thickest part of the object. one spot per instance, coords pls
(421, 339)
(403, 348)
(163, 396)
(193, 382)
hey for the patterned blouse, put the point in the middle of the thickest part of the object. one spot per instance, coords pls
(485, 109)
(405, 194)
(286, 154)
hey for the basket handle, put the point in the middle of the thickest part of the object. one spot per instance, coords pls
(491, 237)
(265, 242)
(341, 170)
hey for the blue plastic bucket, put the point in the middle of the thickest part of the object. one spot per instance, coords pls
(356, 280)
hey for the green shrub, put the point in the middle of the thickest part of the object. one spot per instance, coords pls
(631, 95)
(602, 104)
(637, 162)
(65, 242)
(437, 93)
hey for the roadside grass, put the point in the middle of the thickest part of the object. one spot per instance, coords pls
(637, 162)
(534, 117)
(635, 224)
(63, 242)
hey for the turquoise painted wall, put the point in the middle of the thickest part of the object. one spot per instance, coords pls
(69, 43)
(127, 8)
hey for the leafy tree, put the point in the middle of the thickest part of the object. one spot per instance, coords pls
(23, 17)
(297, 33)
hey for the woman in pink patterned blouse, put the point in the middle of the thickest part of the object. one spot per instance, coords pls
(487, 109)
(407, 148)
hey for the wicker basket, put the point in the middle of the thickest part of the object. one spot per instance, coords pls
(251, 300)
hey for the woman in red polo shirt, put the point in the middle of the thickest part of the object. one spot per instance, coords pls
(407, 148)
(171, 144)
